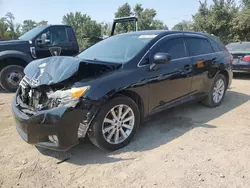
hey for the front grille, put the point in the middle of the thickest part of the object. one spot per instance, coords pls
(25, 82)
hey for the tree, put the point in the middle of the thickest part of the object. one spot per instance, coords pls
(216, 19)
(28, 25)
(3, 29)
(9, 18)
(87, 30)
(41, 23)
(241, 26)
(246, 3)
(124, 11)
(146, 18)
(106, 29)
(184, 26)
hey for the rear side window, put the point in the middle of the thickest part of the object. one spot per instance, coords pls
(174, 47)
(71, 35)
(218, 42)
(215, 46)
(198, 46)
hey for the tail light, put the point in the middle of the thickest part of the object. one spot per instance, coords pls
(246, 58)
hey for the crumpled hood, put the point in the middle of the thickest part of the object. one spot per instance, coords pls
(51, 70)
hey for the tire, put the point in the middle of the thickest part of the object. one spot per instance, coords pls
(96, 135)
(210, 101)
(17, 74)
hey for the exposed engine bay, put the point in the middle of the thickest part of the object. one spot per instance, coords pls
(37, 98)
(39, 91)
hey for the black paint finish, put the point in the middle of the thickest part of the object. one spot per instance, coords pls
(182, 79)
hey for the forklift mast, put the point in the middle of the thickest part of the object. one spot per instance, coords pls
(124, 19)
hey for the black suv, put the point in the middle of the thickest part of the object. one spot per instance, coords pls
(110, 88)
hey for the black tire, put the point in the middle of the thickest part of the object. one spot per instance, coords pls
(209, 101)
(95, 131)
(5, 72)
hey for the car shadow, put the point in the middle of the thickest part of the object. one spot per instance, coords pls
(242, 76)
(159, 130)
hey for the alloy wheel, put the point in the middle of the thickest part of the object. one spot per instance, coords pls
(218, 91)
(118, 124)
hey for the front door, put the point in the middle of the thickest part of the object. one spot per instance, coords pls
(170, 82)
(53, 41)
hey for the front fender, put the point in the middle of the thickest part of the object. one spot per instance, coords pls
(15, 54)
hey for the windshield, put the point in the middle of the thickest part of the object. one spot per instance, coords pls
(239, 46)
(32, 33)
(117, 49)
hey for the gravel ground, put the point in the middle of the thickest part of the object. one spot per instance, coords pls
(187, 146)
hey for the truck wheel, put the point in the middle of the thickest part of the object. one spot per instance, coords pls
(115, 124)
(10, 77)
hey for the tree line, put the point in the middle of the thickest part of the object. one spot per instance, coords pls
(223, 18)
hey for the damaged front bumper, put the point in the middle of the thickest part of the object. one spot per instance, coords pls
(65, 125)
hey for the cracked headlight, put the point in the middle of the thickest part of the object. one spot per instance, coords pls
(70, 97)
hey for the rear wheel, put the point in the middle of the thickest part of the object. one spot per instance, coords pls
(10, 77)
(217, 92)
(115, 124)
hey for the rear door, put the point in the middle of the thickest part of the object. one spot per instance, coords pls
(171, 82)
(203, 60)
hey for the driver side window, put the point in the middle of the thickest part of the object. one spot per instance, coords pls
(174, 47)
(53, 37)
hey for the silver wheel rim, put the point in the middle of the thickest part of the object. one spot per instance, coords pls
(118, 124)
(219, 90)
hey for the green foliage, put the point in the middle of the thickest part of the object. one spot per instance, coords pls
(10, 30)
(223, 19)
(87, 30)
(28, 25)
(246, 3)
(184, 26)
(146, 18)
(241, 25)
(106, 29)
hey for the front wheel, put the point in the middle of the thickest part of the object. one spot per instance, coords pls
(115, 124)
(10, 77)
(217, 92)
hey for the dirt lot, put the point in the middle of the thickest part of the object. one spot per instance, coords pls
(188, 146)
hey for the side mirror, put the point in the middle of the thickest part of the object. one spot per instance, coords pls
(160, 58)
(42, 40)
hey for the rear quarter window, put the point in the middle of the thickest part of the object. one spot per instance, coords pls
(198, 46)
(71, 35)
(215, 46)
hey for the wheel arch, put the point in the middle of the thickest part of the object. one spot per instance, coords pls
(12, 57)
(225, 73)
(136, 98)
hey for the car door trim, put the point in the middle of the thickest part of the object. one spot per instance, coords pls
(138, 65)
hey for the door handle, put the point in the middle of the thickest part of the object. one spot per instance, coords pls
(187, 68)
